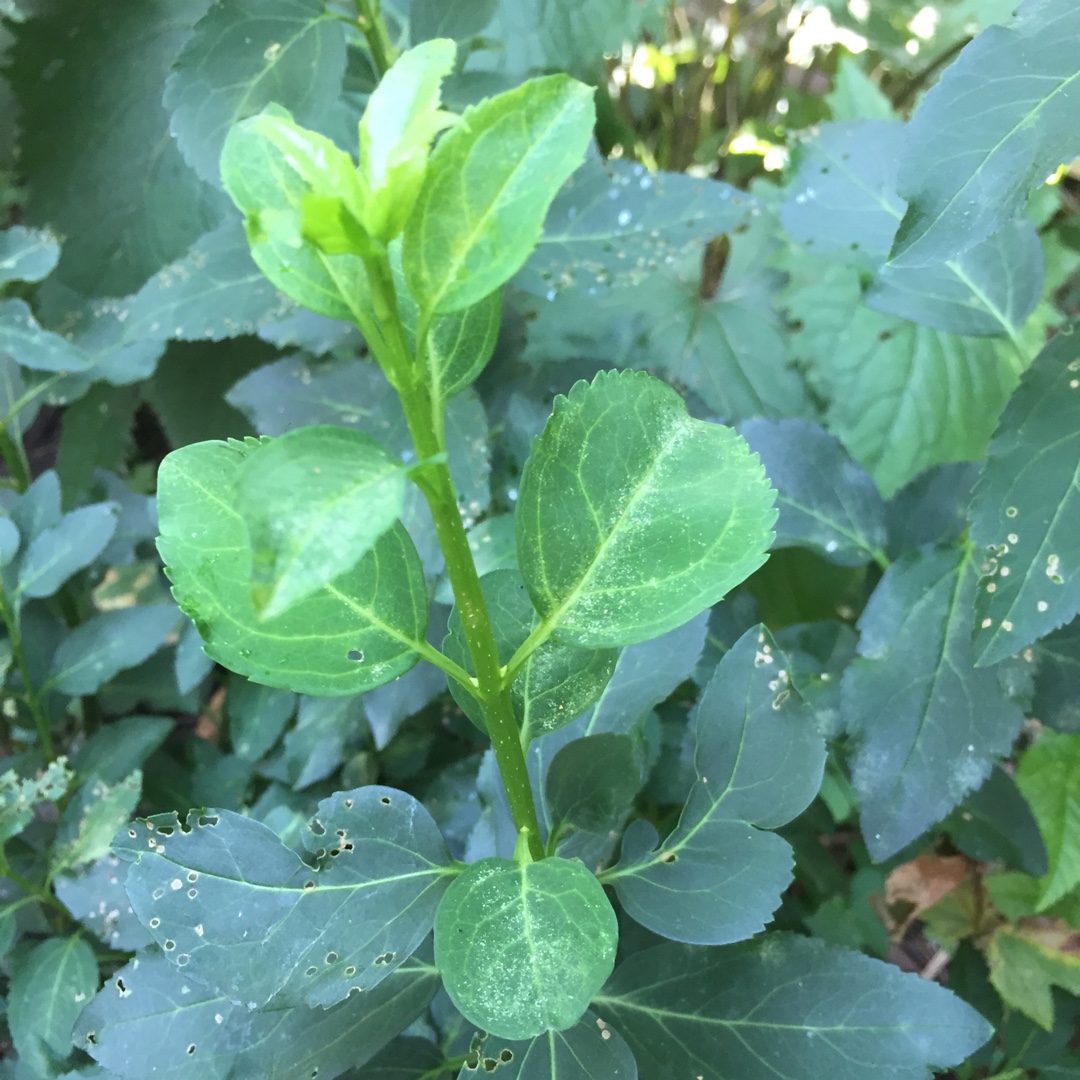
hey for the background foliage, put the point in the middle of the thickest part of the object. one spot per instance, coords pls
(848, 229)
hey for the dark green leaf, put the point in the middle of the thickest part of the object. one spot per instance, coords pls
(558, 681)
(26, 342)
(257, 716)
(788, 1003)
(103, 171)
(109, 643)
(213, 292)
(1001, 119)
(1026, 508)
(590, 1050)
(827, 503)
(408, 1057)
(489, 184)
(457, 19)
(313, 749)
(96, 435)
(633, 517)
(614, 223)
(315, 501)
(96, 897)
(245, 55)
(759, 760)
(26, 254)
(1049, 778)
(844, 203)
(152, 1012)
(994, 824)
(927, 723)
(932, 509)
(91, 820)
(57, 553)
(1056, 677)
(591, 782)
(523, 948)
(378, 609)
(381, 867)
(50, 989)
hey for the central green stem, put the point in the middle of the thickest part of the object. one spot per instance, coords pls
(433, 478)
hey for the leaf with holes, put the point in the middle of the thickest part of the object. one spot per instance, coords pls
(361, 630)
(759, 759)
(557, 682)
(26, 254)
(522, 947)
(245, 55)
(633, 517)
(590, 1050)
(1026, 508)
(23, 339)
(343, 924)
(788, 1001)
(151, 1011)
(1001, 119)
(926, 723)
(314, 501)
(488, 185)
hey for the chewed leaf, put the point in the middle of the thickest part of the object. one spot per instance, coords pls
(149, 1011)
(633, 517)
(1025, 513)
(322, 931)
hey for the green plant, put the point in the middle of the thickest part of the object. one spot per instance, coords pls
(586, 547)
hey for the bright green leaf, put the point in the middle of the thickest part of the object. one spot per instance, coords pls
(361, 911)
(759, 760)
(926, 723)
(241, 57)
(57, 553)
(827, 503)
(632, 516)
(590, 1050)
(523, 948)
(378, 609)
(152, 1012)
(267, 187)
(26, 254)
(787, 1001)
(556, 683)
(109, 643)
(1026, 508)
(1026, 964)
(314, 501)
(48, 992)
(488, 186)
(401, 120)
(1002, 118)
(1049, 778)
(591, 782)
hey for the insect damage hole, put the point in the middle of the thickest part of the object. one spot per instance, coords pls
(356, 655)
(668, 857)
